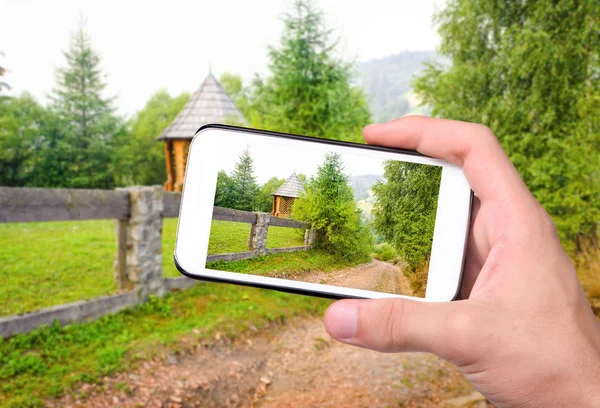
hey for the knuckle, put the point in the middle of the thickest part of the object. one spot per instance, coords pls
(460, 321)
(485, 134)
(393, 339)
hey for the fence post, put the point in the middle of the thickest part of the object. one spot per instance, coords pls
(309, 236)
(258, 234)
(138, 263)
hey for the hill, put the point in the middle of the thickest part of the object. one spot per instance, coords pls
(361, 185)
(386, 82)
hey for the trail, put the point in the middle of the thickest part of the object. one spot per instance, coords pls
(291, 365)
(377, 276)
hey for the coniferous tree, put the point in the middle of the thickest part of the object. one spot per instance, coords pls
(309, 90)
(244, 187)
(87, 120)
(330, 207)
(530, 70)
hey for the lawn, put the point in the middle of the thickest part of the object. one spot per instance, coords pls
(49, 361)
(48, 263)
(228, 237)
(291, 263)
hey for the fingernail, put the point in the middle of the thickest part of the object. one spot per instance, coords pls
(342, 320)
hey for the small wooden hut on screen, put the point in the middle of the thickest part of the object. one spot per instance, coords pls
(284, 196)
(209, 104)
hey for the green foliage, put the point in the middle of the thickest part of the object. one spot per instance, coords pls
(309, 90)
(244, 190)
(49, 361)
(529, 71)
(385, 252)
(83, 150)
(265, 200)
(224, 190)
(330, 207)
(233, 84)
(140, 157)
(22, 123)
(405, 208)
(239, 190)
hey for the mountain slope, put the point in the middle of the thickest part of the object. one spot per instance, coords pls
(386, 82)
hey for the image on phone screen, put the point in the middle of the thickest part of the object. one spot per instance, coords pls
(367, 222)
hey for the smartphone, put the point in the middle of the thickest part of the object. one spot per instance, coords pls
(321, 217)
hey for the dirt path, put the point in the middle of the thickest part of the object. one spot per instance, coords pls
(294, 365)
(376, 275)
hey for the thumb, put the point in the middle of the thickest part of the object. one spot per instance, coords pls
(392, 325)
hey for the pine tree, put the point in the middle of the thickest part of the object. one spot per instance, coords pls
(530, 71)
(330, 207)
(88, 123)
(309, 90)
(244, 187)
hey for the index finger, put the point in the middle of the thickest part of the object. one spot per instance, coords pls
(470, 146)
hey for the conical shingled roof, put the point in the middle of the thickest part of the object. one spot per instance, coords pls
(209, 104)
(291, 188)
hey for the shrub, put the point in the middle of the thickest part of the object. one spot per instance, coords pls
(418, 278)
(385, 252)
(330, 207)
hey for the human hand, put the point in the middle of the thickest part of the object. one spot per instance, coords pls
(524, 335)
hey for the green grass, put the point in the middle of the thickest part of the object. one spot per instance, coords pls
(226, 237)
(50, 361)
(49, 263)
(291, 263)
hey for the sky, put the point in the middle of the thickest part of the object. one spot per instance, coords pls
(150, 45)
(271, 158)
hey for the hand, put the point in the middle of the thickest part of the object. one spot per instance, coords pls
(524, 335)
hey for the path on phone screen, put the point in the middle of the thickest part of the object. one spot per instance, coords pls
(376, 275)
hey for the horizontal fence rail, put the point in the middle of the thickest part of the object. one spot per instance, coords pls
(57, 204)
(41, 204)
(228, 214)
(138, 213)
(257, 241)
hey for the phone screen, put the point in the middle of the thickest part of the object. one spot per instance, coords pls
(312, 215)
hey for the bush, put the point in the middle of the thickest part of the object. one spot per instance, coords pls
(418, 278)
(385, 252)
(330, 207)
(405, 208)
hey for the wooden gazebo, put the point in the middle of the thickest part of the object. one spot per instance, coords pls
(284, 196)
(209, 104)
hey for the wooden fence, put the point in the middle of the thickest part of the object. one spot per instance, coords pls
(138, 214)
(257, 241)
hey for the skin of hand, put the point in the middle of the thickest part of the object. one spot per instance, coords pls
(524, 333)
